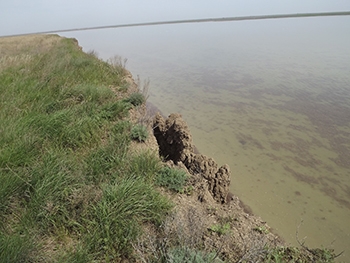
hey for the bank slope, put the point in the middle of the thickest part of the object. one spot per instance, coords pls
(74, 187)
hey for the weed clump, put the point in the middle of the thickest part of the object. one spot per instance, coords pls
(139, 133)
(221, 229)
(136, 99)
(173, 179)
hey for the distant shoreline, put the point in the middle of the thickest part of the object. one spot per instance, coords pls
(187, 21)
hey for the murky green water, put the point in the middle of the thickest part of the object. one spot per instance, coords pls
(272, 101)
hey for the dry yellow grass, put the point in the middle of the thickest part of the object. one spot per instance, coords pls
(19, 50)
(11, 46)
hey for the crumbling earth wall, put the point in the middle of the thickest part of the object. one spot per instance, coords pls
(175, 144)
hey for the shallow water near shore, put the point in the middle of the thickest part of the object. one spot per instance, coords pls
(270, 99)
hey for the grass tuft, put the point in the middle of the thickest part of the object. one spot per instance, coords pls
(136, 99)
(221, 229)
(15, 248)
(117, 216)
(173, 179)
(139, 133)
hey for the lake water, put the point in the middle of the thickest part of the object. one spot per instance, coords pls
(270, 98)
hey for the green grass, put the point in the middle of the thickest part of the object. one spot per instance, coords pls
(66, 172)
(135, 99)
(14, 248)
(116, 218)
(221, 229)
(171, 178)
(139, 133)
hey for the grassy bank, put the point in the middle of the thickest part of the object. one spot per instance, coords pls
(72, 189)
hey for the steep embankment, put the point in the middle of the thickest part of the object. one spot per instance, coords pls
(81, 179)
(214, 214)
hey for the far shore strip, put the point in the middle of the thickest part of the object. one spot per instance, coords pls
(204, 20)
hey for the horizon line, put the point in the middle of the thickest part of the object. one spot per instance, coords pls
(187, 21)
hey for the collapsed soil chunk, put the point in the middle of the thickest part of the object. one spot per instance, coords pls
(173, 137)
(175, 144)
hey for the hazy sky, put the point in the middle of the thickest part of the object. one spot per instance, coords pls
(25, 16)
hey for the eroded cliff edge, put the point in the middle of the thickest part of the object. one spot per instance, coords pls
(176, 145)
(209, 214)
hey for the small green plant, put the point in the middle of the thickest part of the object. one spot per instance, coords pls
(189, 190)
(173, 179)
(221, 229)
(136, 99)
(261, 229)
(139, 133)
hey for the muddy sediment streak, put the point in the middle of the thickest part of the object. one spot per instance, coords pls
(175, 144)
